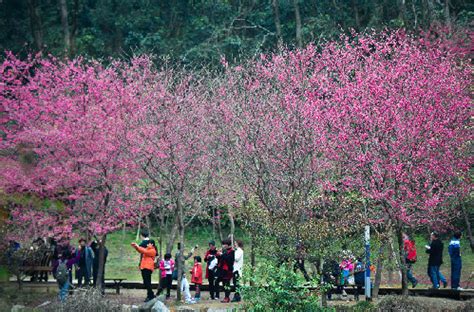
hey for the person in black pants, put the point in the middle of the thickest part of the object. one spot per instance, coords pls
(435, 250)
(147, 266)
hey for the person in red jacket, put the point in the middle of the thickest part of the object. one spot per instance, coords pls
(147, 265)
(196, 277)
(410, 258)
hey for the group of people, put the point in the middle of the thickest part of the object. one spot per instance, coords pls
(221, 267)
(435, 260)
(350, 270)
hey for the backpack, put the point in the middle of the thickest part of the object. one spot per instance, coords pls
(62, 272)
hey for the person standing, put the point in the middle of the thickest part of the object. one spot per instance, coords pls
(211, 273)
(84, 266)
(196, 277)
(225, 268)
(435, 250)
(166, 268)
(95, 246)
(238, 266)
(454, 250)
(147, 265)
(410, 258)
(62, 271)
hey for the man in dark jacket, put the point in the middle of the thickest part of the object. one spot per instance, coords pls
(435, 250)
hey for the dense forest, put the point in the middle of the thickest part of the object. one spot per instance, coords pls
(201, 31)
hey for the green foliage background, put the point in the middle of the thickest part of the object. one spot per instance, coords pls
(196, 32)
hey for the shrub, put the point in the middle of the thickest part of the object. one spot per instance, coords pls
(278, 287)
(85, 300)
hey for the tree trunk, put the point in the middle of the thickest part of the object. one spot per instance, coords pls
(138, 229)
(299, 38)
(403, 264)
(252, 257)
(35, 23)
(122, 253)
(378, 272)
(276, 18)
(65, 25)
(232, 225)
(324, 301)
(402, 11)
(447, 15)
(219, 226)
(468, 226)
(101, 269)
(415, 14)
(181, 252)
(355, 8)
(172, 237)
(75, 13)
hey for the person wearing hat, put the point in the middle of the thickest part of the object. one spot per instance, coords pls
(211, 274)
(84, 265)
(435, 250)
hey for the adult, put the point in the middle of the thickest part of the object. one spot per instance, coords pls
(147, 265)
(95, 246)
(181, 271)
(225, 268)
(62, 267)
(410, 258)
(435, 250)
(238, 266)
(211, 273)
(454, 250)
(84, 265)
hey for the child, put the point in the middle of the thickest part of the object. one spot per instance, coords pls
(166, 268)
(196, 277)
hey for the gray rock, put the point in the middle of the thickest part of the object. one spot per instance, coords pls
(159, 307)
(187, 309)
(146, 307)
(18, 308)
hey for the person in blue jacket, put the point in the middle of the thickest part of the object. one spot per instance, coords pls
(84, 265)
(454, 250)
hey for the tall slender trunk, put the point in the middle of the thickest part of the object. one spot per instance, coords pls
(181, 253)
(276, 18)
(299, 38)
(65, 25)
(402, 11)
(447, 15)
(101, 269)
(232, 224)
(468, 226)
(35, 23)
(219, 225)
(403, 264)
(378, 272)
(355, 8)
(75, 13)
(172, 237)
(415, 14)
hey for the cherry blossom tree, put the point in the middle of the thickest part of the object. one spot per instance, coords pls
(397, 123)
(69, 116)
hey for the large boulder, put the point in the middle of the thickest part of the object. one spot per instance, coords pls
(159, 307)
(147, 306)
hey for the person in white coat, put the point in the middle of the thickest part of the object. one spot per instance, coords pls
(238, 266)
